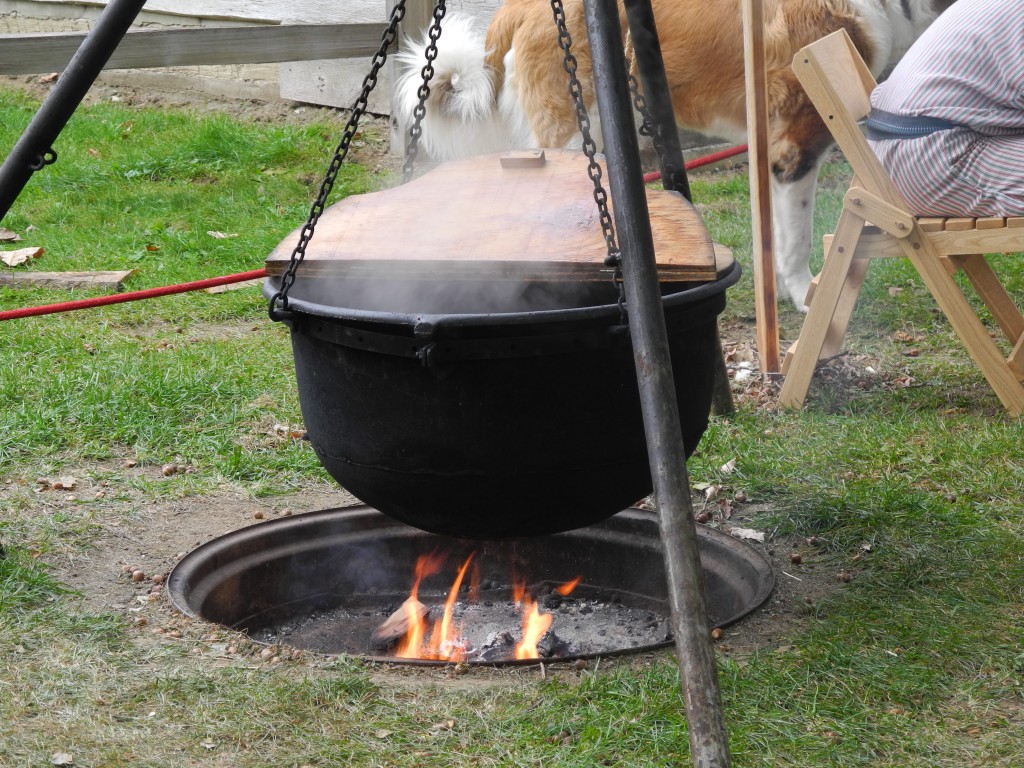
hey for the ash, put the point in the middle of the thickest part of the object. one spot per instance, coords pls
(581, 625)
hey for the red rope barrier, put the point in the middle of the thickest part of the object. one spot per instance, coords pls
(697, 162)
(119, 298)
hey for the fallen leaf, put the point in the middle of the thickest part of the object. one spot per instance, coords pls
(221, 235)
(725, 508)
(382, 734)
(208, 744)
(50, 78)
(728, 467)
(152, 248)
(62, 758)
(746, 533)
(19, 256)
(9, 236)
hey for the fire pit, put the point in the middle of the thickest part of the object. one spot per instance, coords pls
(326, 581)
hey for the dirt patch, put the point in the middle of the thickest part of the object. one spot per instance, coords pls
(39, 86)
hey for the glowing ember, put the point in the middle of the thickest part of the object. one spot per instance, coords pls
(444, 641)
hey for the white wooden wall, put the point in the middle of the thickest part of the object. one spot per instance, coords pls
(337, 83)
(328, 82)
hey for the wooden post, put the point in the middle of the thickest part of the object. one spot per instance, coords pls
(765, 300)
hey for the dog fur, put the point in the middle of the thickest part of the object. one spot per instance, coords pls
(507, 88)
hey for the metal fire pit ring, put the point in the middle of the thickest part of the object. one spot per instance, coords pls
(268, 579)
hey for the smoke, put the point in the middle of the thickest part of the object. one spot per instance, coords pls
(451, 297)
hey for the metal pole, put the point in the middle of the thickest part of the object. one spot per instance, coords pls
(696, 656)
(34, 149)
(651, 67)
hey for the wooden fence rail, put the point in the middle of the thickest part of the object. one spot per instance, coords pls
(145, 48)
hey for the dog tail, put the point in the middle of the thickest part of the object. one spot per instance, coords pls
(461, 112)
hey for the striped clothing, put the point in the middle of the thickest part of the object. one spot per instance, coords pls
(968, 68)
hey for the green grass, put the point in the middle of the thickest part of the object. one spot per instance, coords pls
(915, 490)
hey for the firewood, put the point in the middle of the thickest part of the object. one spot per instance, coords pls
(397, 624)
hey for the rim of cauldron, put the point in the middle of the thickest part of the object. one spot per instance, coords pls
(694, 293)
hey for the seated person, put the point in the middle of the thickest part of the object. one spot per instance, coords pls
(948, 123)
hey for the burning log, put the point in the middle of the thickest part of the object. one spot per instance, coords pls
(498, 647)
(551, 646)
(398, 624)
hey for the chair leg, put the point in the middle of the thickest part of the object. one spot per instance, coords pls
(844, 309)
(991, 291)
(1015, 361)
(922, 254)
(799, 368)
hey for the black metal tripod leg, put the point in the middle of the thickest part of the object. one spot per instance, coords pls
(666, 452)
(651, 66)
(34, 149)
(721, 393)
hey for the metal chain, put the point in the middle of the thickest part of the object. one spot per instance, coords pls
(614, 257)
(427, 73)
(279, 301)
(647, 127)
(49, 157)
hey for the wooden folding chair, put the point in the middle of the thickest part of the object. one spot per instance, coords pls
(875, 222)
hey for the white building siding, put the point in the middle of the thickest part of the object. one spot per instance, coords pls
(330, 83)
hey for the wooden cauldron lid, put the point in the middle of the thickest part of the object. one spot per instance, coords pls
(521, 215)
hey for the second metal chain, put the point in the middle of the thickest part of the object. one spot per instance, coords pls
(279, 301)
(427, 74)
(614, 257)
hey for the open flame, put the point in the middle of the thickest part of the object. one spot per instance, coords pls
(535, 623)
(444, 640)
(567, 588)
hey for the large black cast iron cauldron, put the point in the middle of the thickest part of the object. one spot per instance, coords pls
(524, 420)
